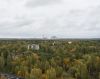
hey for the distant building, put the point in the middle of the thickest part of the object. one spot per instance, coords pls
(44, 37)
(53, 37)
(53, 43)
(69, 42)
(33, 46)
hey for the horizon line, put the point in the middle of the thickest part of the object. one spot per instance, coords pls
(49, 38)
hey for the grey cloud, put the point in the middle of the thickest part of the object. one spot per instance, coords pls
(36, 3)
(80, 23)
(92, 21)
(15, 24)
(14, 27)
(62, 20)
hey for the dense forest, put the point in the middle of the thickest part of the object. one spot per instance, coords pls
(55, 59)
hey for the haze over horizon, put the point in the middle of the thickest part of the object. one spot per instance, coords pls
(61, 18)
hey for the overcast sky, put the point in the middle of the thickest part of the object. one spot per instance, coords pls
(61, 18)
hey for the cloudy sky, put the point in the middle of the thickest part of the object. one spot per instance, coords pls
(61, 18)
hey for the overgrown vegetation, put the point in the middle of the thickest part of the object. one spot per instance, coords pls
(55, 59)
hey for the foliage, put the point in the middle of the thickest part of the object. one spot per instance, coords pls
(56, 59)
